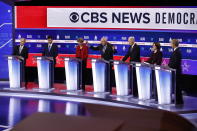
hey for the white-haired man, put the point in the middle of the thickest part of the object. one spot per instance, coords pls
(134, 54)
(107, 51)
(22, 52)
(133, 51)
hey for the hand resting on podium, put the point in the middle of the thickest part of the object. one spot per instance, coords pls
(20, 57)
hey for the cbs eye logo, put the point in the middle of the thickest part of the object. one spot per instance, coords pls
(74, 17)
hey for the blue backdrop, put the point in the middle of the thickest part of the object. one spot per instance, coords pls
(188, 41)
(113, 35)
(5, 37)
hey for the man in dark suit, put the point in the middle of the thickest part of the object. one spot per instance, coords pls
(134, 54)
(107, 51)
(133, 51)
(51, 50)
(22, 52)
(175, 63)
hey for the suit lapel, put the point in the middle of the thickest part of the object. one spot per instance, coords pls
(131, 49)
(173, 53)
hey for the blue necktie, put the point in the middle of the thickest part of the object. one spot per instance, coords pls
(49, 47)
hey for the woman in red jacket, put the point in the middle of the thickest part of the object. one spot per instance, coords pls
(82, 53)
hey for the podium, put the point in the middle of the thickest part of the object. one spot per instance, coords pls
(166, 82)
(122, 77)
(45, 72)
(144, 81)
(73, 71)
(101, 75)
(15, 67)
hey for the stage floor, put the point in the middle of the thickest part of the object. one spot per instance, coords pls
(15, 105)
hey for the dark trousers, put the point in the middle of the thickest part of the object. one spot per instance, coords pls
(83, 71)
(134, 83)
(178, 90)
(154, 86)
(109, 74)
(24, 78)
(52, 71)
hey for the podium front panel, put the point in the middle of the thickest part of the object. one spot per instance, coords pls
(15, 72)
(122, 78)
(164, 82)
(44, 73)
(72, 74)
(144, 81)
(99, 69)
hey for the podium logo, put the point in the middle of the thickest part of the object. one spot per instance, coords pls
(74, 17)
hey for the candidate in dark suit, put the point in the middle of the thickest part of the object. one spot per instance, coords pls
(107, 51)
(134, 54)
(175, 63)
(133, 51)
(156, 55)
(22, 51)
(50, 50)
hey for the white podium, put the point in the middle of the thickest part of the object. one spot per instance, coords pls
(101, 74)
(144, 81)
(45, 72)
(122, 77)
(166, 82)
(15, 67)
(73, 71)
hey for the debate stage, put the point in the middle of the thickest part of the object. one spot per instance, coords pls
(57, 101)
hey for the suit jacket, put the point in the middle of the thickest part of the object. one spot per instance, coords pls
(175, 61)
(24, 52)
(82, 53)
(109, 52)
(53, 52)
(134, 54)
(155, 58)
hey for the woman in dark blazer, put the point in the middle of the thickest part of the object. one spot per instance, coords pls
(156, 55)
(82, 53)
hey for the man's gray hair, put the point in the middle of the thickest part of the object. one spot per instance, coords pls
(131, 37)
(104, 38)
